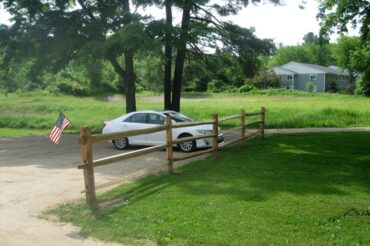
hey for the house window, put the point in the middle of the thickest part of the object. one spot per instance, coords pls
(289, 77)
(312, 76)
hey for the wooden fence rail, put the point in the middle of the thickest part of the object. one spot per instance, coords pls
(86, 140)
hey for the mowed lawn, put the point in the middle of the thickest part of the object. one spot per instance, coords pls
(297, 189)
(33, 113)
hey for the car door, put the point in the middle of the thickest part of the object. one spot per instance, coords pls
(134, 122)
(155, 119)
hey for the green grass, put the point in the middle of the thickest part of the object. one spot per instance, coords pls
(10, 132)
(30, 111)
(299, 189)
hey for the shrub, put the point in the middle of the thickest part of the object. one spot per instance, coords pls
(310, 87)
(279, 92)
(73, 88)
(216, 86)
(139, 88)
(246, 88)
(349, 89)
(266, 79)
(53, 89)
(333, 87)
(201, 84)
(363, 85)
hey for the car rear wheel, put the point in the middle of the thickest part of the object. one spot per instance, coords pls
(121, 144)
(188, 146)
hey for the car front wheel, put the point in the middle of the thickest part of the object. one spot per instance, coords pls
(187, 146)
(121, 144)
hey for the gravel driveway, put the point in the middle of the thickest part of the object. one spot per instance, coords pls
(36, 174)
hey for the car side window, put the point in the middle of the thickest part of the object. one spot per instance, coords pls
(137, 118)
(155, 119)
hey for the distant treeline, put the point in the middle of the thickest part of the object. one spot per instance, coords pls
(217, 72)
(89, 47)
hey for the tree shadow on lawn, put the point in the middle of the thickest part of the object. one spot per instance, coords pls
(301, 164)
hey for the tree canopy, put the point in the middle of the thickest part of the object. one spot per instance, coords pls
(201, 26)
(53, 33)
(50, 34)
(337, 14)
(344, 53)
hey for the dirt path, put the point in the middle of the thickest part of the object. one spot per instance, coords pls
(36, 174)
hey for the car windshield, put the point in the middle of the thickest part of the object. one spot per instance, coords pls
(177, 117)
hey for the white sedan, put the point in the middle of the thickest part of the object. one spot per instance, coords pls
(146, 119)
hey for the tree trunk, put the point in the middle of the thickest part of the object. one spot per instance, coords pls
(129, 78)
(129, 82)
(180, 57)
(168, 56)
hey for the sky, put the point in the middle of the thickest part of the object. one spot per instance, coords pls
(285, 24)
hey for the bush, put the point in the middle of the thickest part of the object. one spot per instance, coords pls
(201, 84)
(72, 88)
(279, 92)
(349, 89)
(246, 88)
(269, 92)
(363, 85)
(139, 88)
(333, 87)
(310, 87)
(265, 80)
(216, 86)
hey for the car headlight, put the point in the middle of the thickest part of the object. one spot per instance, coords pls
(205, 131)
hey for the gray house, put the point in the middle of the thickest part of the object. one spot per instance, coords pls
(296, 75)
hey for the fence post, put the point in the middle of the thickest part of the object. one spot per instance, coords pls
(242, 124)
(87, 158)
(262, 124)
(215, 138)
(169, 151)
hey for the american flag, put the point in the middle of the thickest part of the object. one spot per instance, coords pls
(56, 132)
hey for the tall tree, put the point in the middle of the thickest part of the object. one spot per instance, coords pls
(200, 24)
(168, 56)
(246, 47)
(56, 32)
(313, 53)
(180, 56)
(344, 54)
(360, 60)
(310, 37)
(337, 14)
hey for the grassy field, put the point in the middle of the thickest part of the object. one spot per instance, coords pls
(37, 112)
(301, 189)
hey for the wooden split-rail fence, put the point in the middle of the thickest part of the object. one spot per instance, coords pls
(86, 141)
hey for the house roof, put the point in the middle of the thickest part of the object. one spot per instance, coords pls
(339, 70)
(280, 70)
(305, 68)
(302, 68)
